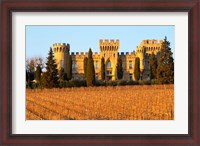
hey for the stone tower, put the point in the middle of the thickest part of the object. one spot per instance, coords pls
(61, 53)
(140, 52)
(109, 50)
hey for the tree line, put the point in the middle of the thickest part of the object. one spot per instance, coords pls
(161, 70)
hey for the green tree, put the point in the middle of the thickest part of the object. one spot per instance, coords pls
(90, 79)
(85, 66)
(26, 76)
(38, 73)
(102, 68)
(137, 68)
(153, 66)
(119, 68)
(50, 77)
(69, 68)
(165, 71)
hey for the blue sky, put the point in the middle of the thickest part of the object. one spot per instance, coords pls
(39, 39)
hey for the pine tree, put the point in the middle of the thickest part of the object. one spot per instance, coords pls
(50, 77)
(165, 71)
(153, 66)
(119, 68)
(137, 68)
(102, 68)
(69, 68)
(38, 73)
(85, 66)
(90, 70)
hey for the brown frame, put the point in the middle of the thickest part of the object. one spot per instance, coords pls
(9, 6)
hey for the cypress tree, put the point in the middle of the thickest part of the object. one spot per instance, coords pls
(38, 73)
(85, 66)
(61, 77)
(69, 68)
(137, 68)
(102, 68)
(153, 66)
(165, 71)
(90, 79)
(119, 68)
(50, 77)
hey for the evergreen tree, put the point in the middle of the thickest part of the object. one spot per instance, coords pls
(137, 68)
(119, 68)
(50, 77)
(165, 71)
(61, 77)
(38, 73)
(85, 66)
(69, 68)
(90, 79)
(26, 76)
(102, 68)
(153, 66)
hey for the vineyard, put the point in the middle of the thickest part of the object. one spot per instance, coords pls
(154, 102)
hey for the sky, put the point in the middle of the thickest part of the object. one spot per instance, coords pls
(39, 39)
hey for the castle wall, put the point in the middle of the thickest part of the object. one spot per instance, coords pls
(109, 50)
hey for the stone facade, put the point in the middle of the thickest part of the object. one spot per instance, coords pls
(109, 50)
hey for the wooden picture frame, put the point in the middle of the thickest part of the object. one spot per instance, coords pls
(9, 6)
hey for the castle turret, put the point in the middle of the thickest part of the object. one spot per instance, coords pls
(109, 50)
(140, 52)
(61, 52)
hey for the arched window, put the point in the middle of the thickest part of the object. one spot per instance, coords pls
(109, 64)
(130, 64)
(61, 63)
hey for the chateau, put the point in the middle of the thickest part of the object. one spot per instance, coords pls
(110, 51)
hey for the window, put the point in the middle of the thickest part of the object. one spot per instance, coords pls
(143, 62)
(109, 64)
(123, 66)
(74, 65)
(96, 65)
(109, 72)
(96, 76)
(130, 76)
(130, 65)
(61, 63)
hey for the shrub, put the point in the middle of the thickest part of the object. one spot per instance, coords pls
(76, 83)
(144, 82)
(111, 83)
(131, 82)
(34, 85)
(154, 81)
(100, 83)
(122, 83)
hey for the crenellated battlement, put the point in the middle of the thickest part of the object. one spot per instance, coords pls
(109, 45)
(151, 42)
(84, 53)
(61, 47)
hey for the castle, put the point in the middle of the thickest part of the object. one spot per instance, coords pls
(109, 50)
